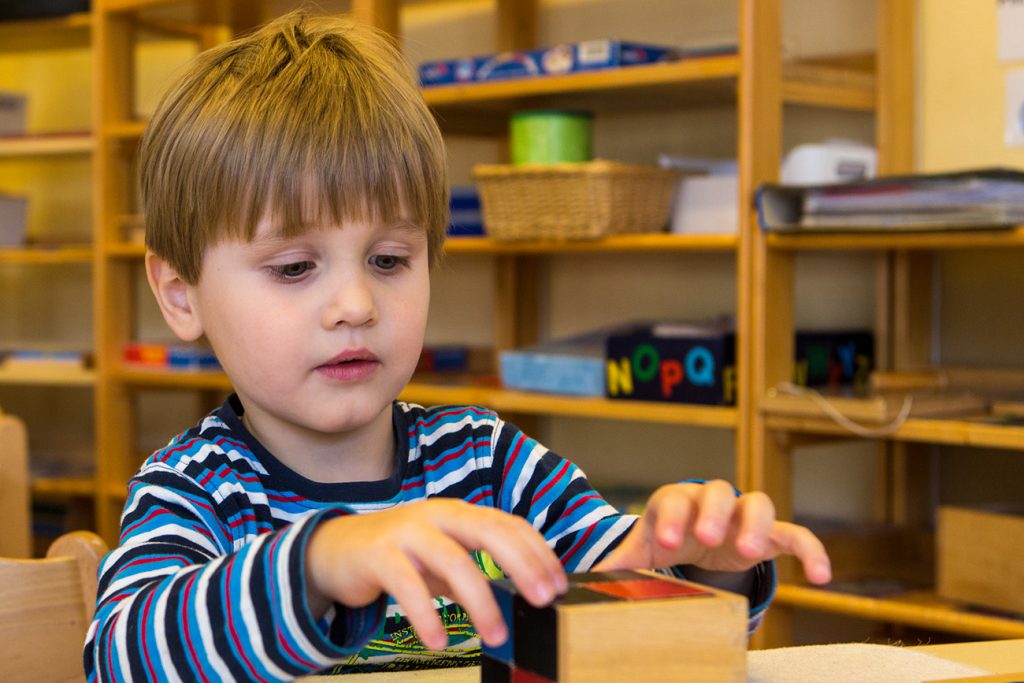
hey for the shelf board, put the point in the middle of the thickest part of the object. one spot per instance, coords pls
(126, 131)
(697, 81)
(70, 31)
(652, 242)
(46, 144)
(46, 255)
(571, 406)
(48, 375)
(940, 239)
(649, 242)
(956, 432)
(919, 608)
(167, 379)
(63, 486)
(132, 5)
(126, 250)
(492, 397)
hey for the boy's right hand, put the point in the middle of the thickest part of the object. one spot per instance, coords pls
(418, 551)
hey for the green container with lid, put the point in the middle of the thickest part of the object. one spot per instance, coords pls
(549, 136)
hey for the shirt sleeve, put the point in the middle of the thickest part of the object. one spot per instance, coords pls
(556, 498)
(177, 600)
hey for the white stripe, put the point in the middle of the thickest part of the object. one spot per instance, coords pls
(616, 530)
(249, 617)
(452, 478)
(159, 623)
(283, 577)
(120, 635)
(198, 606)
(533, 457)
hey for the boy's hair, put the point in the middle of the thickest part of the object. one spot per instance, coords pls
(316, 118)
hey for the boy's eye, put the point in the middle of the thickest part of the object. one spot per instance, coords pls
(388, 261)
(290, 271)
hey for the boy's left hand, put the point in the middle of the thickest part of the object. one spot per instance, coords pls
(709, 526)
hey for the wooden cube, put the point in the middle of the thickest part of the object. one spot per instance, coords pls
(621, 626)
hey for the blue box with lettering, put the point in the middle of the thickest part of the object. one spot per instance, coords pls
(566, 58)
(676, 362)
(696, 362)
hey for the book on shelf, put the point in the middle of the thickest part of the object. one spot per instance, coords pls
(974, 199)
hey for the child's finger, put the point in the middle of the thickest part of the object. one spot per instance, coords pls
(756, 523)
(669, 513)
(717, 504)
(448, 561)
(519, 549)
(400, 578)
(800, 542)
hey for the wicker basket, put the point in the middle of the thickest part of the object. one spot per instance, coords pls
(573, 201)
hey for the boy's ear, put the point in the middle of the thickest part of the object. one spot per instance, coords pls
(174, 296)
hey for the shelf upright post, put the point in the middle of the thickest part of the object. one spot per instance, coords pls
(765, 291)
(383, 14)
(113, 95)
(908, 344)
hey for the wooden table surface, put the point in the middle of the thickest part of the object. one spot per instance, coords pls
(997, 656)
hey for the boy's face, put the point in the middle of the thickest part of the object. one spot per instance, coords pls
(319, 332)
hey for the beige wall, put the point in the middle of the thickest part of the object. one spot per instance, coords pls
(980, 293)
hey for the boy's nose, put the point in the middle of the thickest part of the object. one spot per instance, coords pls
(352, 305)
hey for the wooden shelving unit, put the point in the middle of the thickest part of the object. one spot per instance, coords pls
(52, 144)
(36, 149)
(903, 331)
(754, 80)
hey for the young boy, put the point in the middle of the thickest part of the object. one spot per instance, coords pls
(295, 196)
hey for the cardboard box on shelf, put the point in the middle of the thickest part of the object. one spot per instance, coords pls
(13, 220)
(12, 113)
(38, 9)
(977, 555)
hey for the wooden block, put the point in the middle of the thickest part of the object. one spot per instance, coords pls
(621, 626)
(977, 560)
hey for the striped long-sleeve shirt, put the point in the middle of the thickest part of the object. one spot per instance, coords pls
(208, 582)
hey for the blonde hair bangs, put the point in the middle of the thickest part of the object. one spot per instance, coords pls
(315, 119)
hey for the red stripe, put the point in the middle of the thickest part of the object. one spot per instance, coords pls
(184, 620)
(572, 550)
(572, 508)
(148, 518)
(434, 464)
(479, 496)
(283, 498)
(142, 635)
(242, 520)
(178, 449)
(162, 558)
(520, 440)
(554, 480)
(110, 648)
(231, 620)
(272, 561)
(413, 483)
(445, 413)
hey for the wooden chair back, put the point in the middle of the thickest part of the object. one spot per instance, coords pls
(15, 534)
(46, 606)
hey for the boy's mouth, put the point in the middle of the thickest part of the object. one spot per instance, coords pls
(350, 366)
